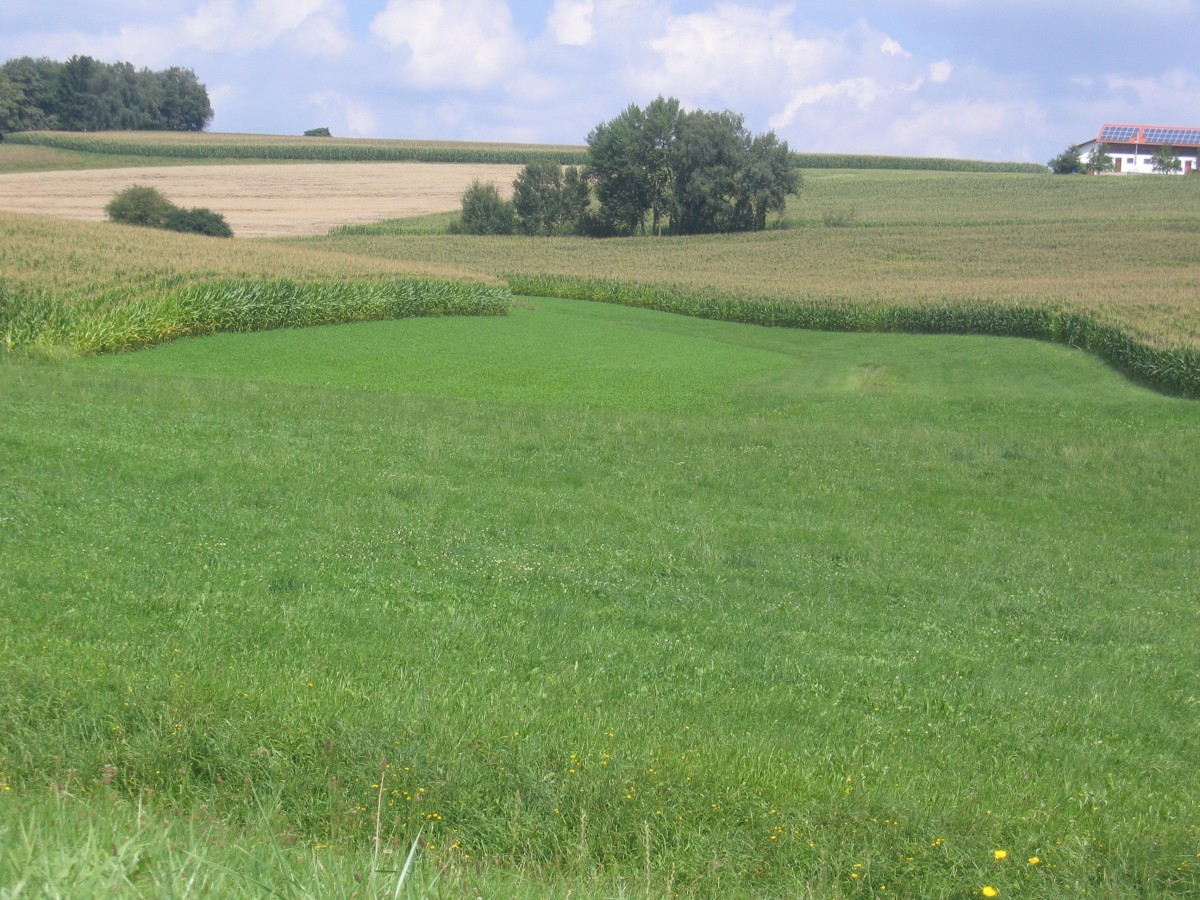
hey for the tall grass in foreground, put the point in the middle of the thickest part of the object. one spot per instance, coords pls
(1172, 370)
(101, 325)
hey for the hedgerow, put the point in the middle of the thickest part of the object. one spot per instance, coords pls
(1171, 370)
(101, 325)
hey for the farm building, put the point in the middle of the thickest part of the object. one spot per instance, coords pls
(1132, 147)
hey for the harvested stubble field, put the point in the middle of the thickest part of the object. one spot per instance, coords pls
(264, 200)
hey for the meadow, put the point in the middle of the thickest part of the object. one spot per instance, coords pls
(591, 600)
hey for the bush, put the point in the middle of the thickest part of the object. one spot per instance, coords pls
(484, 211)
(198, 221)
(139, 205)
(318, 132)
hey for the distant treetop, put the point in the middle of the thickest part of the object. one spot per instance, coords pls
(84, 94)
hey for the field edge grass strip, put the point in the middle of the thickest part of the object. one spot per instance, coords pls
(1169, 370)
(45, 322)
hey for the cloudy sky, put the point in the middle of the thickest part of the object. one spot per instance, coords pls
(982, 79)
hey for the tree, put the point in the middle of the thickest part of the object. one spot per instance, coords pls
(1067, 163)
(550, 200)
(766, 180)
(1165, 162)
(12, 102)
(139, 205)
(1099, 161)
(701, 171)
(538, 198)
(484, 211)
(630, 162)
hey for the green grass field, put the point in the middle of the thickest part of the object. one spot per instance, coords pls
(588, 600)
(619, 603)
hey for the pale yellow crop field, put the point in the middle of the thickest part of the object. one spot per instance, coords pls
(263, 200)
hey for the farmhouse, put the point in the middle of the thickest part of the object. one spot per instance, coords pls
(1132, 147)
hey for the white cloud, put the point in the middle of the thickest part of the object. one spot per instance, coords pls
(959, 128)
(940, 71)
(734, 52)
(347, 115)
(571, 22)
(451, 43)
(310, 26)
(892, 47)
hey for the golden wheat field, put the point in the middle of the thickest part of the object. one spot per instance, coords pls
(264, 200)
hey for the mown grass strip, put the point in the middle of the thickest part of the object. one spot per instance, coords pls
(1171, 370)
(97, 325)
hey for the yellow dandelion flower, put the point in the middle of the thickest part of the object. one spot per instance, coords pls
(1035, 861)
(989, 891)
(1000, 854)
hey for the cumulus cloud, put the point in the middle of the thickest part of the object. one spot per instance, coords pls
(312, 27)
(570, 22)
(451, 43)
(346, 115)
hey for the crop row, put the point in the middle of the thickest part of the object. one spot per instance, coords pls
(313, 149)
(932, 164)
(1172, 370)
(98, 325)
(320, 150)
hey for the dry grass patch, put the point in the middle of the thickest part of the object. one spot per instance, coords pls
(262, 200)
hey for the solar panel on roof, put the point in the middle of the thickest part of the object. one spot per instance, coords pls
(1118, 133)
(1173, 135)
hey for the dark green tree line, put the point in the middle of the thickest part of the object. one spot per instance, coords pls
(84, 94)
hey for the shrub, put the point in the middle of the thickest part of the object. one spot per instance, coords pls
(139, 205)
(843, 217)
(484, 211)
(318, 132)
(197, 221)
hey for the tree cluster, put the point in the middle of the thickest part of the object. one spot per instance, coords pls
(695, 172)
(146, 206)
(83, 94)
(659, 167)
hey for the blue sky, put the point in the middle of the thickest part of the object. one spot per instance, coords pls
(982, 79)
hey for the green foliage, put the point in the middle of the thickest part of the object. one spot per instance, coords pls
(1067, 163)
(701, 170)
(1099, 161)
(318, 132)
(547, 200)
(484, 211)
(140, 205)
(197, 221)
(83, 94)
(1165, 162)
